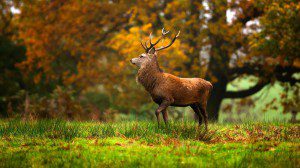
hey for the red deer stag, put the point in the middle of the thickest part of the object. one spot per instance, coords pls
(167, 89)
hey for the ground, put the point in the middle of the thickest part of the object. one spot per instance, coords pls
(52, 143)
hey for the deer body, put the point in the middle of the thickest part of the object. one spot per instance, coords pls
(180, 92)
(169, 90)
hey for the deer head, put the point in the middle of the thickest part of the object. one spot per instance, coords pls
(146, 57)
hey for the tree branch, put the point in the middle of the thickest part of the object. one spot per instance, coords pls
(287, 77)
(280, 73)
(250, 69)
(247, 92)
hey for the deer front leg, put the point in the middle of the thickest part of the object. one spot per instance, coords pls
(162, 107)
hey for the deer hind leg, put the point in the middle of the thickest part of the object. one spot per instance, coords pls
(204, 114)
(162, 108)
(157, 116)
(165, 116)
(197, 112)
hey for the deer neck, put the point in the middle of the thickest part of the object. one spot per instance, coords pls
(149, 75)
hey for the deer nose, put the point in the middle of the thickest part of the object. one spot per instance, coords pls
(131, 61)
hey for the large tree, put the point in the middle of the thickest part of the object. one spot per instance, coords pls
(261, 40)
(269, 50)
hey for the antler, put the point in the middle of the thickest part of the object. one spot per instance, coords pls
(173, 40)
(163, 33)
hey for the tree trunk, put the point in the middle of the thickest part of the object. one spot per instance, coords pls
(215, 100)
(218, 63)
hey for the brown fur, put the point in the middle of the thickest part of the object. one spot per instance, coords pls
(169, 90)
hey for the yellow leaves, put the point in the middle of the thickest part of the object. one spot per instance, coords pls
(128, 45)
(175, 6)
(121, 65)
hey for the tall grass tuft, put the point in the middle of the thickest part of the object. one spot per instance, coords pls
(69, 130)
(150, 131)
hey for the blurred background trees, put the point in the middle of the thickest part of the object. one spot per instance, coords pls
(11, 79)
(70, 59)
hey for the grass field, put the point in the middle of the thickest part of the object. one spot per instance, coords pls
(143, 144)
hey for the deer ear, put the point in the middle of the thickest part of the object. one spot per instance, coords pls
(152, 51)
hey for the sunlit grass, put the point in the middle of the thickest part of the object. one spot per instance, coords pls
(144, 144)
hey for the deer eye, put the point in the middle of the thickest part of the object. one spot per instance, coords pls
(141, 56)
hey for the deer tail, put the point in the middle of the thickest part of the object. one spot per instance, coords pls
(210, 88)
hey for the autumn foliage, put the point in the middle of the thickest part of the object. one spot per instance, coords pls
(83, 47)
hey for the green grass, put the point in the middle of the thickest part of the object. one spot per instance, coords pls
(143, 144)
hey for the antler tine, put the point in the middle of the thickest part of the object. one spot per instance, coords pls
(163, 32)
(143, 45)
(178, 34)
(147, 46)
(150, 38)
(173, 40)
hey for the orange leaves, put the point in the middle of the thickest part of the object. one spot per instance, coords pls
(62, 39)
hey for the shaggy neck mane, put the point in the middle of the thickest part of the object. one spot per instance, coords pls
(149, 74)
